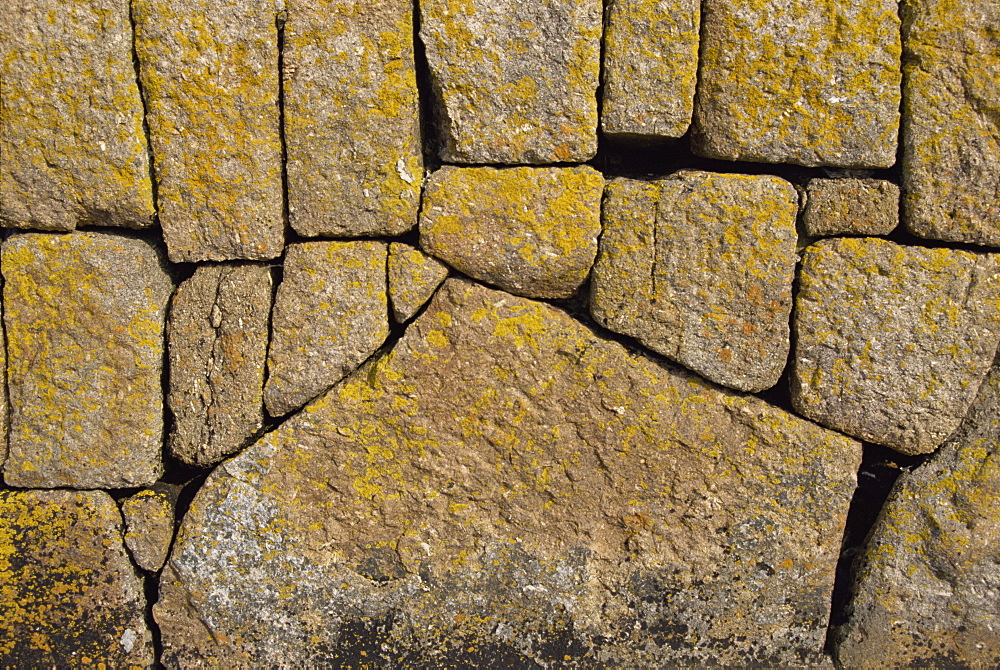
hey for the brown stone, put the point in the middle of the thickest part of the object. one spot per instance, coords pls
(149, 525)
(850, 206)
(413, 277)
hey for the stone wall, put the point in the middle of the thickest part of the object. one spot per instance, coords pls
(486, 333)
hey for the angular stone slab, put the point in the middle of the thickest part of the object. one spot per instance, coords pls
(530, 231)
(71, 138)
(925, 591)
(810, 83)
(850, 206)
(330, 314)
(85, 316)
(893, 342)
(699, 267)
(210, 76)
(563, 500)
(951, 134)
(413, 277)
(4, 406)
(217, 341)
(514, 82)
(650, 67)
(149, 525)
(70, 595)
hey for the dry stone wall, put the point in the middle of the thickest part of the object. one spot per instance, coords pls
(468, 333)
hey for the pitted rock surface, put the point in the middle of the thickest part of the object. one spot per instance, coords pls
(562, 501)
(850, 206)
(149, 525)
(413, 277)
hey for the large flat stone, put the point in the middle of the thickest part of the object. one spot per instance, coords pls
(699, 267)
(72, 147)
(514, 82)
(210, 76)
(562, 501)
(352, 117)
(810, 83)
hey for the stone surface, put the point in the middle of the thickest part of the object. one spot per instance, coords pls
(514, 82)
(352, 118)
(699, 267)
(413, 277)
(84, 315)
(951, 133)
(650, 67)
(149, 525)
(893, 342)
(850, 206)
(926, 591)
(217, 342)
(563, 502)
(530, 231)
(68, 158)
(788, 81)
(4, 405)
(210, 76)
(330, 314)
(69, 596)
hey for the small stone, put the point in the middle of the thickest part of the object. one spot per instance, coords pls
(514, 82)
(352, 117)
(530, 231)
(650, 67)
(85, 316)
(893, 342)
(71, 139)
(209, 72)
(330, 314)
(699, 267)
(850, 206)
(4, 408)
(413, 278)
(810, 83)
(217, 335)
(149, 525)
(70, 596)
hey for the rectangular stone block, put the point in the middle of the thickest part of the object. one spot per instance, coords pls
(72, 146)
(210, 74)
(850, 206)
(810, 82)
(514, 82)
(352, 117)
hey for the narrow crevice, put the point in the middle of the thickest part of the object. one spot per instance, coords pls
(430, 141)
(279, 24)
(151, 589)
(137, 67)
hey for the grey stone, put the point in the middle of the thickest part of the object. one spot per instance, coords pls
(149, 525)
(413, 277)
(850, 206)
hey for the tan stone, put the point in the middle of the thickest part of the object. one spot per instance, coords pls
(413, 277)
(850, 206)
(149, 525)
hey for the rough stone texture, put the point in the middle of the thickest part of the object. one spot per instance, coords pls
(4, 406)
(210, 76)
(562, 502)
(85, 315)
(850, 206)
(699, 267)
(951, 130)
(530, 231)
(149, 525)
(69, 596)
(650, 67)
(352, 119)
(926, 592)
(65, 157)
(893, 342)
(789, 81)
(217, 335)
(514, 82)
(330, 314)
(413, 277)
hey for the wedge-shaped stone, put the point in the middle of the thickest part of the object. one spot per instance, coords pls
(925, 592)
(217, 339)
(699, 267)
(69, 596)
(514, 82)
(650, 67)
(352, 117)
(893, 342)
(85, 316)
(330, 314)
(149, 525)
(413, 277)
(791, 81)
(850, 206)
(72, 147)
(506, 488)
(530, 231)
(210, 75)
